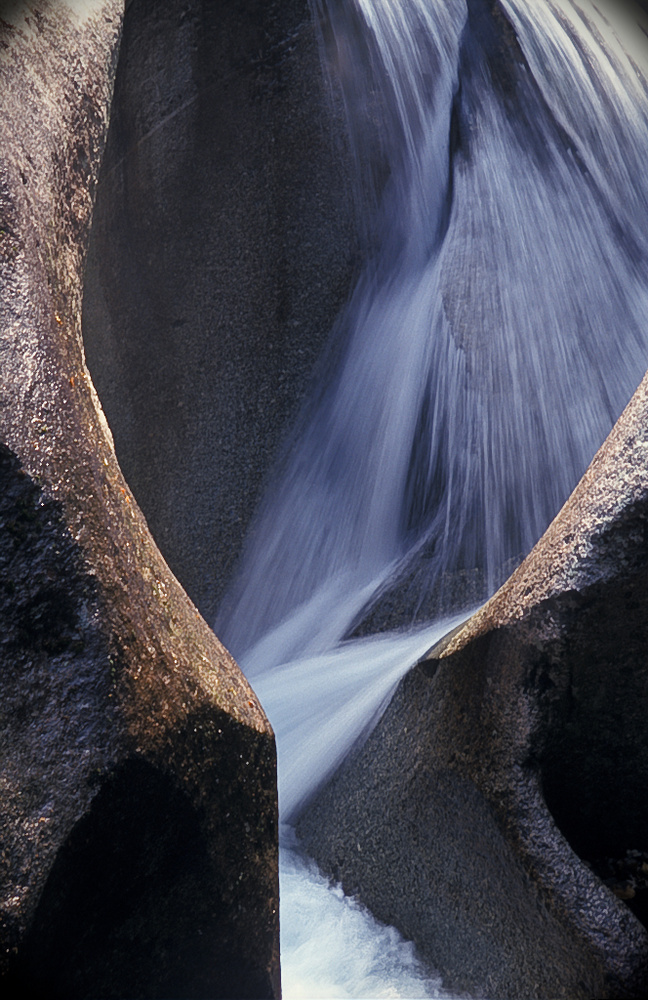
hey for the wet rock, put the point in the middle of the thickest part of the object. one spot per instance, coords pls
(410, 600)
(222, 248)
(513, 757)
(138, 824)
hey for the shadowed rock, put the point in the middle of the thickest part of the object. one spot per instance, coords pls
(222, 248)
(514, 758)
(138, 822)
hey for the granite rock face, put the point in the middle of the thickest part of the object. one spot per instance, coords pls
(514, 758)
(222, 248)
(139, 815)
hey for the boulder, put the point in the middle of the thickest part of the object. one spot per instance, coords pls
(138, 827)
(505, 785)
(223, 245)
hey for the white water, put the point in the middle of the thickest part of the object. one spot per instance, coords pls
(492, 340)
(339, 694)
(331, 947)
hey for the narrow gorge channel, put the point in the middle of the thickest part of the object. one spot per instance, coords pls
(365, 291)
(495, 333)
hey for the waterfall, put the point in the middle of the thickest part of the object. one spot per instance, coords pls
(497, 330)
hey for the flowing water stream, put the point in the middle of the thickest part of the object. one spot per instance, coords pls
(496, 332)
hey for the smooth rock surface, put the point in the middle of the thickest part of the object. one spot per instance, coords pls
(138, 827)
(222, 248)
(513, 757)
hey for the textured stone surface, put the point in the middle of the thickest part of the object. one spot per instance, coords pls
(223, 246)
(138, 822)
(515, 754)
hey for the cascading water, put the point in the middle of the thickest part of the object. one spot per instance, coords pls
(495, 334)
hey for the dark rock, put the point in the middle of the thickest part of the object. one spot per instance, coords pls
(513, 757)
(222, 248)
(138, 830)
